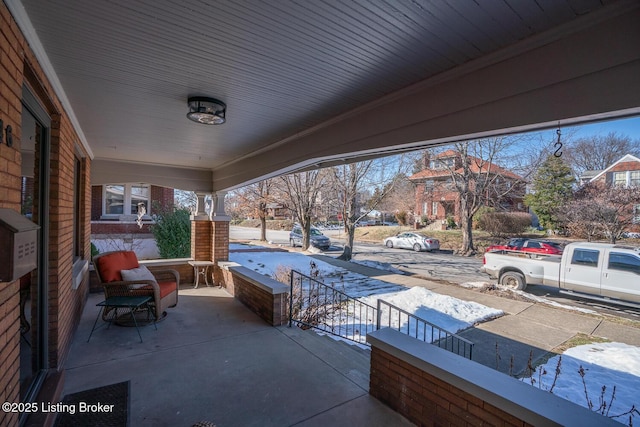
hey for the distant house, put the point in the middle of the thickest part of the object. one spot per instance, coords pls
(278, 211)
(114, 214)
(624, 173)
(436, 198)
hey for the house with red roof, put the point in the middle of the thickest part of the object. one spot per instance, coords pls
(436, 197)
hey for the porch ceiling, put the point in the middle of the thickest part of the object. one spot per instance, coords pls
(307, 83)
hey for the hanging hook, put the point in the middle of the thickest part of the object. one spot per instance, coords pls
(558, 144)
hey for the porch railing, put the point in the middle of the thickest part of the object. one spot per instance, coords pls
(314, 304)
(396, 318)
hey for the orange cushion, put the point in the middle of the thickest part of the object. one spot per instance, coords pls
(165, 288)
(111, 264)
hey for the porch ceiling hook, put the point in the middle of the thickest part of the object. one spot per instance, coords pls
(558, 144)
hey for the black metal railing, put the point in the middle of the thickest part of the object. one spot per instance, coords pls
(390, 316)
(314, 304)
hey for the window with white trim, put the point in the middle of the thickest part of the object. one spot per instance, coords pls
(123, 199)
(620, 179)
(634, 179)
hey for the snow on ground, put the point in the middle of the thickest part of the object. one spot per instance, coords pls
(355, 285)
(604, 365)
(448, 313)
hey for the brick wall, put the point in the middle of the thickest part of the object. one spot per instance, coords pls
(261, 294)
(10, 197)
(161, 195)
(96, 202)
(18, 67)
(433, 387)
(117, 227)
(201, 240)
(427, 400)
(220, 231)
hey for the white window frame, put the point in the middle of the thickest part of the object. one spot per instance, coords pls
(126, 208)
(634, 178)
(434, 208)
(620, 182)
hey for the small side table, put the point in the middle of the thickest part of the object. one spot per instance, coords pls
(131, 302)
(201, 268)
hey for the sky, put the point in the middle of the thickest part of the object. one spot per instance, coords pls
(605, 364)
(624, 127)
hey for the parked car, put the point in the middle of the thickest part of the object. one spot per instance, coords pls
(529, 245)
(414, 241)
(316, 238)
(600, 271)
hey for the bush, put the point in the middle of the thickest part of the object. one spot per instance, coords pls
(172, 231)
(479, 214)
(451, 223)
(502, 224)
(402, 217)
(94, 250)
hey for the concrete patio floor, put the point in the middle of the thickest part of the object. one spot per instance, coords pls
(212, 359)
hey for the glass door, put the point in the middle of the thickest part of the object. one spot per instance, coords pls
(34, 148)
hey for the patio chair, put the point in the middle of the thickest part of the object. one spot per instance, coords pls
(121, 275)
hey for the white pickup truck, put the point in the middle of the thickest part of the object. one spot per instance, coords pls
(599, 271)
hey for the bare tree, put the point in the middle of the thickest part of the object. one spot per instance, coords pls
(255, 199)
(601, 210)
(400, 197)
(303, 191)
(478, 181)
(352, 181)
(599, 152)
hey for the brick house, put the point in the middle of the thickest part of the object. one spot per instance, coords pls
(437, 200)
(625, 172)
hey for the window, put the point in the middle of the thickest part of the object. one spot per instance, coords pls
(634, 180)
(442, 163)
(620, 179)
(428, 185)
(434, 208)
(636, 214)
(139, 196)
(585, 257)
(624, 262)
(122, 199)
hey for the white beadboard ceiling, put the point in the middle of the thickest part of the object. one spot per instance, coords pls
(282, 67)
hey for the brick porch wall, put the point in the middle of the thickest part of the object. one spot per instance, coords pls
(433, 387)
(264, 296)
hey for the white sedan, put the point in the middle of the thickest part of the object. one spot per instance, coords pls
(414, 241)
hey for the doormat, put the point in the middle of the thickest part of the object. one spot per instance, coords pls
(106, 406)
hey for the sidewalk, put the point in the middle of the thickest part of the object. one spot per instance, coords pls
(526, 330)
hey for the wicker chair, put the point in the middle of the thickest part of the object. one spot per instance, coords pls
(163, 290)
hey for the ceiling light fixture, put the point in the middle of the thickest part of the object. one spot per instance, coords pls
(208, 111)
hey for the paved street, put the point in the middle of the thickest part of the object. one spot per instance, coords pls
(434, 266)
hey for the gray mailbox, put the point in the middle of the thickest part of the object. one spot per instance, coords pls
(18, 245)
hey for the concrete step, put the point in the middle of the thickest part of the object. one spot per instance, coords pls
(351, 361)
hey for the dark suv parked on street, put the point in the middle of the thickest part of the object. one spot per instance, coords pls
(317, 239)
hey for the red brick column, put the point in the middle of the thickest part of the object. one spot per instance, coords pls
(201, 247)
